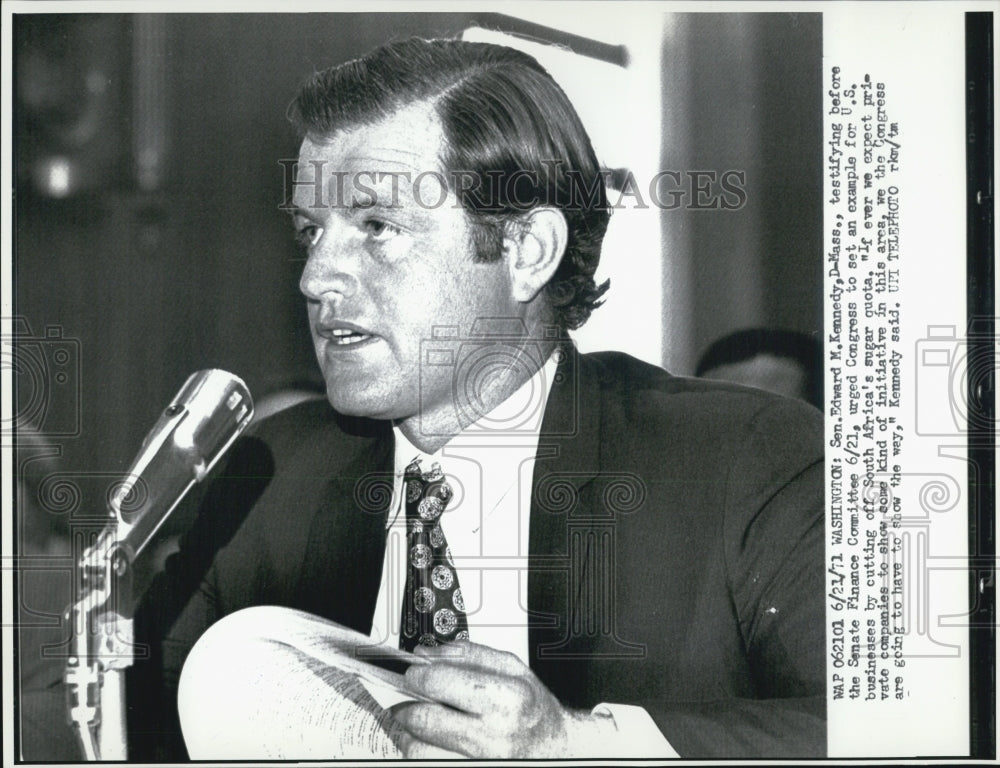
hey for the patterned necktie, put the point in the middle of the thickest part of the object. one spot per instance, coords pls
(433, 610)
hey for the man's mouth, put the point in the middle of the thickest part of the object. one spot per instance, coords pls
(344, 337)
(342, 334)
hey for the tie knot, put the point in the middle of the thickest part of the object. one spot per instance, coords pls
(427, 493)
(413, 471)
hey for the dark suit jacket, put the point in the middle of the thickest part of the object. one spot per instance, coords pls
(676, 545)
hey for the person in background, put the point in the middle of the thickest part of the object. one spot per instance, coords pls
(785, 362)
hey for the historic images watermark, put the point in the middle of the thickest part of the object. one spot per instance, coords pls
(522, 189)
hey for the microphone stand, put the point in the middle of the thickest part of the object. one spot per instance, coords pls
(102, 650)
(204, 420)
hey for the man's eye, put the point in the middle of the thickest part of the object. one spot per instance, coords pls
(380, 230)
(308, 235)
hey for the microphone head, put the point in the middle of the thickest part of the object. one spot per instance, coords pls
(219, 407)
(203, 420)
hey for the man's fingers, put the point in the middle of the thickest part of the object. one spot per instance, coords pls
(438, 727)
(422, 751)
(465, 653)
(489, 704)
(474, 689)
(414, 749)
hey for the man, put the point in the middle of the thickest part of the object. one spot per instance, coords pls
(670, 530)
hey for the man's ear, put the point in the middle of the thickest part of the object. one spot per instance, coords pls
(534, 247)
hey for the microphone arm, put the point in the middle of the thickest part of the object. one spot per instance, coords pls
(200, 424)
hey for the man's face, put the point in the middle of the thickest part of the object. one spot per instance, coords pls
(379, 278)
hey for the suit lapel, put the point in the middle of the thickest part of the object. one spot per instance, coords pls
(568, 459)
(343, 560)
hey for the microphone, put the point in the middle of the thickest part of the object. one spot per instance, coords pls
(200, 424)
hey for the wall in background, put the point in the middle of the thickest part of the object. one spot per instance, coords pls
(743, 92)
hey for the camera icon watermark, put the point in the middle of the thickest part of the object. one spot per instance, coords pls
(471, 369)
(45, 372)
(955, 379)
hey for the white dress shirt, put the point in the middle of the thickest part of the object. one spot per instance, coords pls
(490, 466)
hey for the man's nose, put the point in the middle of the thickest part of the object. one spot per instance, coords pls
(331, 268)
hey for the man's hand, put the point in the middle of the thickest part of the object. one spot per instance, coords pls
(491, 706)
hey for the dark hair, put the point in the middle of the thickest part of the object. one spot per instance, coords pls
(746, 344)
(506, 123)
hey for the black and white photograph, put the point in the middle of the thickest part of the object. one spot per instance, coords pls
(551, 381)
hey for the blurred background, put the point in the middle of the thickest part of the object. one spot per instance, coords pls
(148, 240)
